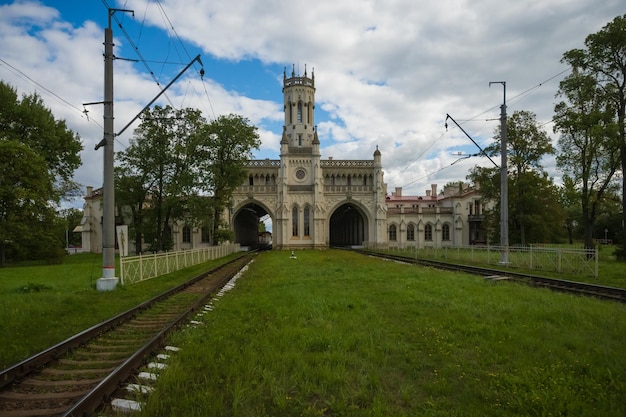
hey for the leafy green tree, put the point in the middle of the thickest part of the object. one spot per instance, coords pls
(570, 201)
(604, 61)
(30, 122)
(533, 202)
(24, 206)
(225, 145)
(156, 173)
(38, 157)
(70, 218)
(589, 149)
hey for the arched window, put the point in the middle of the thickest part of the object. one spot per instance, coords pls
(294, 221)
(186, 234)
(445, 232)
(250, 180)
(204, 234)
(410, 232)
(290, 112)
(393, 234)
(299, 112)
(428, 232)
(307, 227)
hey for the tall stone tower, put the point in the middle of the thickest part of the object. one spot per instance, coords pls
(300, 183)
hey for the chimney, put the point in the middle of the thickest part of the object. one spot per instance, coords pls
(427, 193)
(433, 187)
(398, 192)
(89, 191)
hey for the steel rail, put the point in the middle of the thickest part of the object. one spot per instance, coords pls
(91, 400)
(101, 393)
(556, 284)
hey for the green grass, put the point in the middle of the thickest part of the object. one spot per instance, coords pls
(334, 333)
(45, 304)
(610, 271)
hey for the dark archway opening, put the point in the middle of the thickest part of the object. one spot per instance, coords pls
(246, 226)
(348, 226)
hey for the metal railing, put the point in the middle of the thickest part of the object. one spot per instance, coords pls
(139, 268)
(554, 259)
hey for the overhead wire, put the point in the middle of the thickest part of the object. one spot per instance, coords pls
(138, 52)
(169, 22)
(523, 93)
(52, 93)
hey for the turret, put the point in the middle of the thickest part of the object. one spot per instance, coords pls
(299, 106)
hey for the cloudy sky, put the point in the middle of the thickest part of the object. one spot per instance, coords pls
(386, 71)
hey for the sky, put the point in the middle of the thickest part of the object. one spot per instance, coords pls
(387, 72)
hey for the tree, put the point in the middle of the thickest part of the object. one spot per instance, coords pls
(24, 206)
(225, 145)
(28, 121)
(604, 61)
(38, 157)
(179, 167)
(570, 201)
(533, 208)
(157, 175)
(589, 150)
(70, 218)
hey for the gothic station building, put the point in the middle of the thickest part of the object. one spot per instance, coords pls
(313, 202)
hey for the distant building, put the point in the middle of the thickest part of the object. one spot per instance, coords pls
(317, 203)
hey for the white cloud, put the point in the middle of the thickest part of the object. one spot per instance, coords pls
(386, 72)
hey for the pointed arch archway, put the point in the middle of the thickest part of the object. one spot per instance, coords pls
(348, 226)
(245, 221)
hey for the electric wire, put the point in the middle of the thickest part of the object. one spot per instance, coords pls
(137, 51)
(512, 99)
(55, 95)
(166, 17)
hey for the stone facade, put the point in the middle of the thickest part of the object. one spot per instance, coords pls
(317, 203)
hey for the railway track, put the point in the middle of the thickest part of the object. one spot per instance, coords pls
(77, 376)
(579, 288)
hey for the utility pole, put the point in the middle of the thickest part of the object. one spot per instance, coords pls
(504, 183)
(109, 280)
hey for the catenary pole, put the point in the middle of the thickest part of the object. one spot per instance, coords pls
(109, 281)
(504, 183)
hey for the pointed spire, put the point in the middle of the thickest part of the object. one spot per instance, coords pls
(284, 140)
(316, 139)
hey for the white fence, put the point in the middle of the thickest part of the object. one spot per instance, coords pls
(134, 269)
(555, 259)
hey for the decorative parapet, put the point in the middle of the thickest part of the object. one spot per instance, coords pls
(346, 188)
(256, 189)
(288, 82)
(263, 163)
(330, 163)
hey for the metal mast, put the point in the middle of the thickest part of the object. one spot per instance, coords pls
(504, 183)
(109, 281)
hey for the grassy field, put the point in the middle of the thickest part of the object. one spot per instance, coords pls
(45, 304)
(333, 333)
(611, 272)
